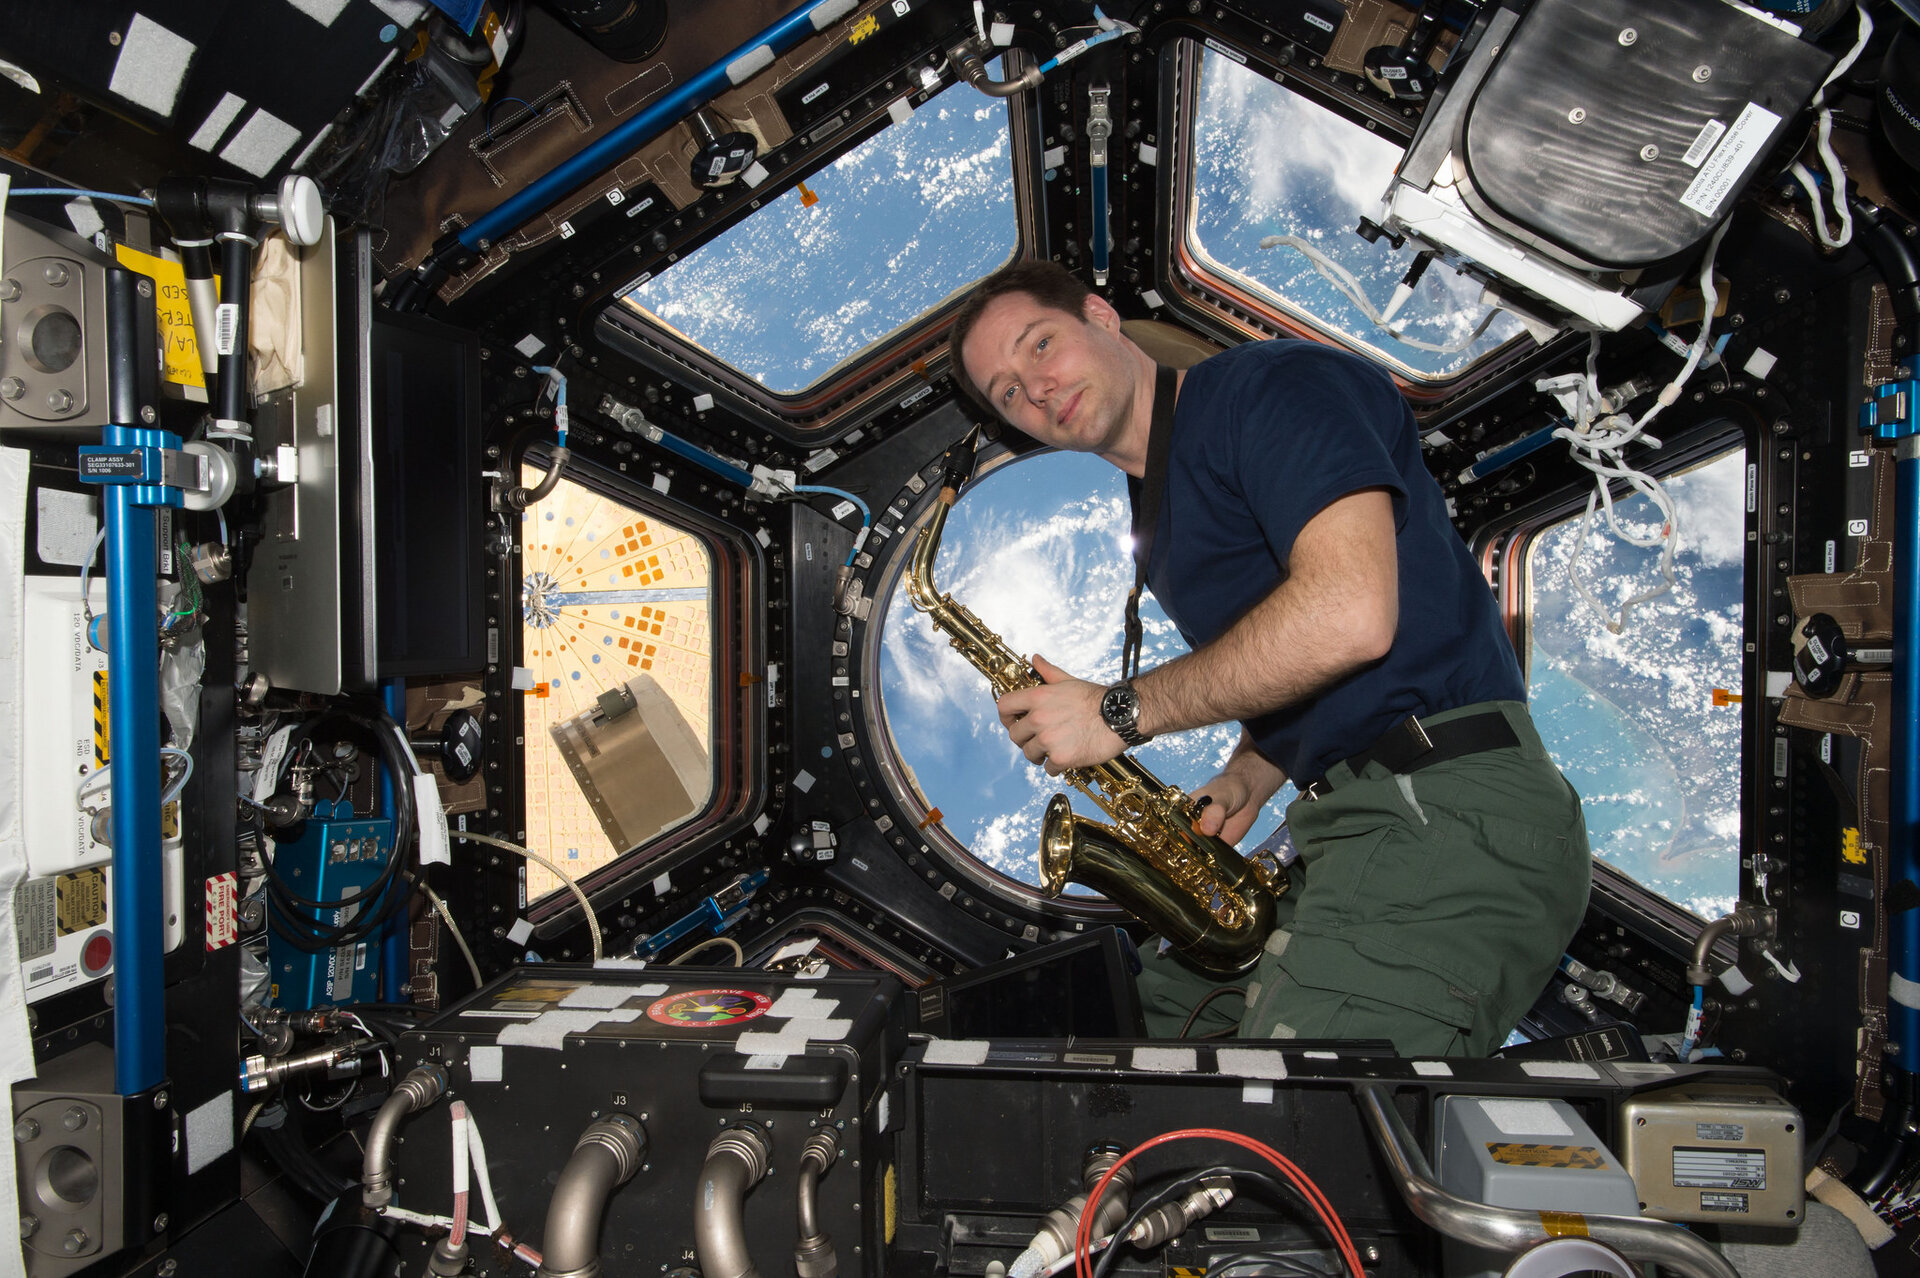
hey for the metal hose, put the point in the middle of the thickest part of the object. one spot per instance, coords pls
(605, 1157)
(419, 1089)
(736, 1161)
(1509, 1230)
(813, 1255)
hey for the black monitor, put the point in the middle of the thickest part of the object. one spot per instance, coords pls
(412, 482)
(1078, 988)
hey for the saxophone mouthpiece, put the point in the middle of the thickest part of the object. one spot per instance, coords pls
(956, 468)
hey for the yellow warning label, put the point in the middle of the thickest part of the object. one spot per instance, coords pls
(179, 352)
(1580, 1157)
(170, 820)
(863, 28)
(1850, 850)
(99, 718)
(1563, 1224)
(79, 901)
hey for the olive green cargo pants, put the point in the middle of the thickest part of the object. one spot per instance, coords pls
(1429, 908)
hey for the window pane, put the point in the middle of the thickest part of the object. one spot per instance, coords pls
(902, 222)
(1037, 550)
(1632, 717)
(1270, 162)
(609, 595)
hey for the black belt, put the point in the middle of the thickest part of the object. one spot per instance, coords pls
(1411, 745)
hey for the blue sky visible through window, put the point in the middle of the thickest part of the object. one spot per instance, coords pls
(915, 214)
(1630, 718)
(1270, 162)
(1037, 549)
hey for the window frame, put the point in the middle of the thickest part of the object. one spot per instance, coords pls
(870, 381)
(737, 719)
(1220, 307)
(1503, 550)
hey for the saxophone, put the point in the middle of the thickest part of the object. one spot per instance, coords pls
(1213, 905)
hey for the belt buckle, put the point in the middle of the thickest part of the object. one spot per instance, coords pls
(1419, 734)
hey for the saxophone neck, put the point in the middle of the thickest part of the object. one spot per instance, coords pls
(920, 588)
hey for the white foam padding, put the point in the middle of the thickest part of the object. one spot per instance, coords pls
(830, 12)
(1525, 1117)
(261, 143)
(1433, 1069)
(749, 64)
(211, 129)
(520, 931)
(802, 1003)
(820, 1029)
(152, 64)
(1251, 1062)
(1559, 1069)
(550, 1029)
(1166, 1060)
(620, 962)
(598, 996)
(957, 1051)
(209, 1131)
(484, 1061)
(781, 1044)
(1256, 1091)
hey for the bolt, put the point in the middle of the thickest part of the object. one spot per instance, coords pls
(1627, 36)
(1576, 115)
(168, 1268)
(160, 1100)
(60, 401)
(1649, 152)
(76, 1242)
(1782, 296)
(160, 1223)
(147, 414)
(9, 290)
(1702, 74)
(12, 388)
(144, 288)
(29, 1226)
(56, 274)
(26, 1130)
(74, 1119)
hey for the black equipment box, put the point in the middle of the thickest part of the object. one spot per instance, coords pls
(688, 1052)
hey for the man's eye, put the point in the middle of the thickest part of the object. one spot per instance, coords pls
(1006, 396)
(1041, 345)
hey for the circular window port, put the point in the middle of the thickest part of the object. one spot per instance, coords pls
(51, 339)
(66, 1177)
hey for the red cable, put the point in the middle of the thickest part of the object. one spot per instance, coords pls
(1083, 1236)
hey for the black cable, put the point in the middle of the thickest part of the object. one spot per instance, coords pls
(1206, 999)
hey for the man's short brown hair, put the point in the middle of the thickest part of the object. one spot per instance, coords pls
(1048, 283)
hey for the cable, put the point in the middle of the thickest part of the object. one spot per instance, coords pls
(1600, 446)
(1836, 175)
(1299, 1180)
(593, 920)
(866, 515)
(86, 570)
(477, 1151)
(453, 927)
(1694, 1015)
(739, 955)
(63, 192)
(89, 784)
(1218, 991)
(1341, 278)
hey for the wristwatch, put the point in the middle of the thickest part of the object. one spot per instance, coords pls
(1120, 710)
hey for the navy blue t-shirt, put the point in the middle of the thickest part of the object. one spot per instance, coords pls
(1265, 436)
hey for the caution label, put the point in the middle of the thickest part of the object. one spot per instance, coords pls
(80, 901)
(223, 910)
(1579, 1157)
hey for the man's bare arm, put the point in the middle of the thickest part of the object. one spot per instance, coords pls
(1337, 612)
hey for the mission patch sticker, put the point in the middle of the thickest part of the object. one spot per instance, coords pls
(701, 1008)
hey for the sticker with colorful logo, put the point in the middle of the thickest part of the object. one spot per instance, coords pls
(697, 1009)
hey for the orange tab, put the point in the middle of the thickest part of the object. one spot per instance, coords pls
(1563, 1224)
(933, 818)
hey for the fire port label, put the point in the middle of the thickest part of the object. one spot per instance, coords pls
(223, 910)
(699, 1009)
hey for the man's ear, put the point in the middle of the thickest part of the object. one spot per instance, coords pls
(1098, 310)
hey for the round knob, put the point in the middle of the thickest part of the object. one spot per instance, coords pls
(302, 214)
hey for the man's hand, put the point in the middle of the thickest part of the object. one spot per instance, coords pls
(1238, 793)
(1058, 724)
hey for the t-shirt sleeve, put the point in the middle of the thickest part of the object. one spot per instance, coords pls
(1310, 427)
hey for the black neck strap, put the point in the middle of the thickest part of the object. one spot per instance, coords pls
(1146, 510)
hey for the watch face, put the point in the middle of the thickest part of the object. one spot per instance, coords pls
(1119, 706)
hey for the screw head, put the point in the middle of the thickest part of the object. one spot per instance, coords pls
(25, 1130)
(75, 1242)
(57, 274)
(168, 1268)
(1702, 74)
(160, 1099)
(74, 1119)
(1649, 152)
(1627, 36)
(144, 288)
(1577, 115)
(147, 414)
(160, 1223)
(60, 401)
(29, 1226)
(9, 290)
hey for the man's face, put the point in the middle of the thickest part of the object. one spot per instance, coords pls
(1063, 379)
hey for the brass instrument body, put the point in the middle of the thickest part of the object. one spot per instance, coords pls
(1209, 902)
